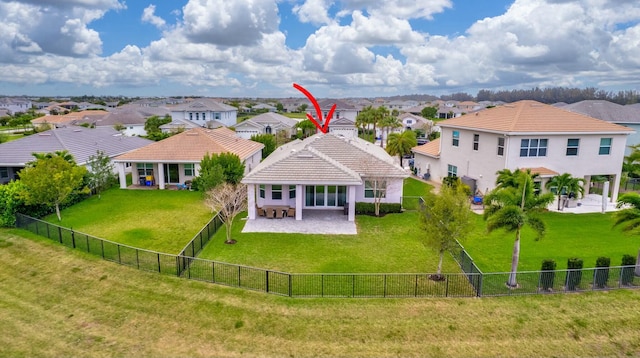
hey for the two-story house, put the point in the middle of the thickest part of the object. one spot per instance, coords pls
(203, 110)
(524, 134)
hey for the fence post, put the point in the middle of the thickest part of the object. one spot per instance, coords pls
(60, 234)
(73, 239)
(415, 292)
(353, 285)
(48, 234)
(384, 289)
(102, 248)
(290, 286)
(87, 237)
(446, 287)
(178, 266)
(138, 258)
(213, 271)
(158, 254)
(479, 288)
(266, 279)
(239, 276)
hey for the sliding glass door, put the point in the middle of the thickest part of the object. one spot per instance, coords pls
(325, 195)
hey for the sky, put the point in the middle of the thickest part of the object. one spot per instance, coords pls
(334, 48)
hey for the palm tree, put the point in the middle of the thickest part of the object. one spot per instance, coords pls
(629, 217)
(401, 143)
(565, 184)
(364, 118)
(388, 123)
(512, 206)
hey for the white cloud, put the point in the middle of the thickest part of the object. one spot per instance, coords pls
(148, 15)
(313, 11)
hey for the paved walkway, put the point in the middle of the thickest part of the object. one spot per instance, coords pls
(591, 203)
(332, 222)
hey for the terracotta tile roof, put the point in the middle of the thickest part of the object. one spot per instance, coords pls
(431, 149)
(325, 158)
(192, 145)
(543, 172)
(71, 117)
(532, 117)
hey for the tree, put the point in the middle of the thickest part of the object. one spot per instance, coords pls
(445, 219)
(387, 123)
(269, 142)
(629, 217)
(152, 127)
(429, 112)
(64, 154)
(303, 107)
(228, 200)
(10, 201)
(400, 144)
(307, 127)
(364, 119)
(279, 107)
(50, 181)
(565, 184)
(218, 168)
(511, 206)
(101, 176)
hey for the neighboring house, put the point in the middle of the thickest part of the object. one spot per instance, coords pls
(80, 142)
(15, 105)
(627, 116)
(203, 110)
(65, 120)
(132, 121)
(412, 121)
(524, 134)
(343, 109)
(177, 159)
(344, 127)
(262, 107)
(266, 123)
(292, 105)
(324, 171)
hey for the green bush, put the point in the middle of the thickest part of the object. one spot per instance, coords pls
(574, 275)
(627, 272)
(385, 208)
(548, 274)
(601, 274)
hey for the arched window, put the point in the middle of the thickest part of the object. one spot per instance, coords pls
(267, 129)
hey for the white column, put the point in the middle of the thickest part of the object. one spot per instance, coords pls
(160, 178)
(251, 201)
(352, 202)
(299, 194)
(122, 175)
(616, 188)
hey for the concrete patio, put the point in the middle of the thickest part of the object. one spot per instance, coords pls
(331, 222)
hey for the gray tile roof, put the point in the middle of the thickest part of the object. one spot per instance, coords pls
(203, 104)
(80, 142)
(325, 158)
(605, 110)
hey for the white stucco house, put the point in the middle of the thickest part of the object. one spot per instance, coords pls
(266, 123)
(177, 159)
(324, 172)
(524, 134)
(202, 110)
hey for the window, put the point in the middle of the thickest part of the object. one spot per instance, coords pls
(189, 170)
(456, 138)
(500, 146)
(320, 195)
(190, 116)
(4, 173)
(276, 192)
(533, 148)
(203, 116)
(292, 191)
(605, 146)
(144, 169)
(572, 146)
(409, 121)
(476, 141)
(452, 171)
(375, 189)
(261, 191)
(197, 116)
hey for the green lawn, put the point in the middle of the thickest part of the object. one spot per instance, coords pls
(58, 302)
(586, 236)
(385, 244)
(158, 220)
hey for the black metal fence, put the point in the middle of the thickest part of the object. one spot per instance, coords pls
(471, 283)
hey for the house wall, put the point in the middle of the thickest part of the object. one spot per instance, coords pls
(246, 132)
(8, 174)
(393, 195)
(345, 132)
(134, 130)
(228, 118)
(252, 161)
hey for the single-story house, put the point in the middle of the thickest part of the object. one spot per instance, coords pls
(524, 135)
(344, 127)
(177, 159)
(324, 171)
(266, 123)
(80, 142)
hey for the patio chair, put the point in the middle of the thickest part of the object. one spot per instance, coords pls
(261, 211)
(291, 212)
(270, 212)
(279, 213)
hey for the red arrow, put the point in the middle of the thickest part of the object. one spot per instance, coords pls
(325, 127)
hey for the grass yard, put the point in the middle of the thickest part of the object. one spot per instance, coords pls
(158, 220)
(586, 236)
(386, 244)
(58, 302)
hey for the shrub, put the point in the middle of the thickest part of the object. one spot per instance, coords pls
(601, 274)
(574, 273)
(626, 274)
(385, 208)
(548, 275)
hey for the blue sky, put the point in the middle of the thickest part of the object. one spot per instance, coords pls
(339, 48)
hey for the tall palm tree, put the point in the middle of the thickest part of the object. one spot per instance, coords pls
(363, 119)
(629, 217)
(401, 143)
(388, 123)
(566, 184)
(512, 206)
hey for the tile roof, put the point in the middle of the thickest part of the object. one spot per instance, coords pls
(325, 158)
(543, 172)
(203, 104)
(80, 142)
(192, 145)
(431, 149)
(71, 117)
(532, 117)
(274, 119)
(605, 110)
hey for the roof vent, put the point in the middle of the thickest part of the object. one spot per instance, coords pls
(305, 155)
